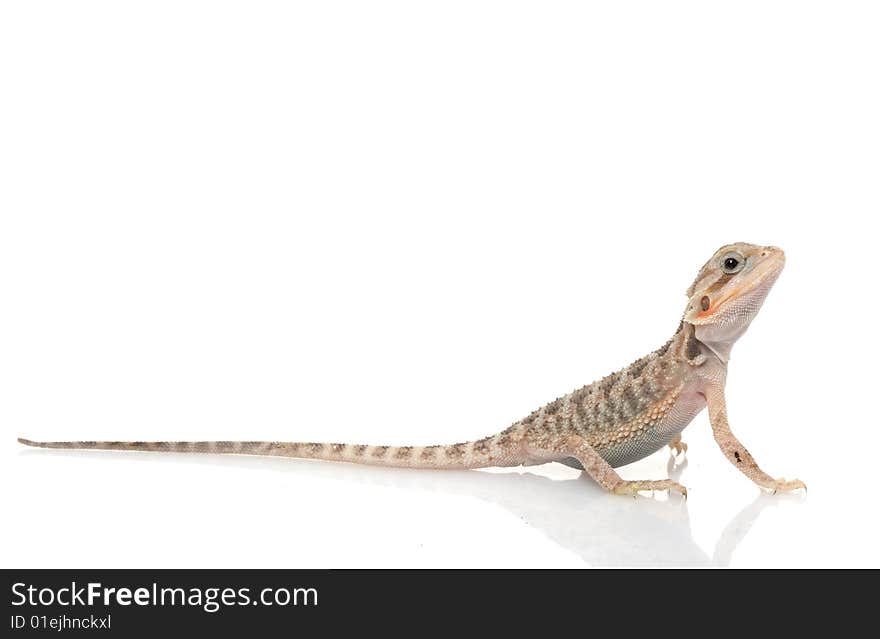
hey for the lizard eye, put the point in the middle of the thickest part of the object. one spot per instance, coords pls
(732, 262)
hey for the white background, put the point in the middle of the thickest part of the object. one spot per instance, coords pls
(414, 223)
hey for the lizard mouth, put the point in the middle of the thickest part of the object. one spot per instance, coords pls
(756, 281)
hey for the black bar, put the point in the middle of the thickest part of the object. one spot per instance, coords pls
(407, 602)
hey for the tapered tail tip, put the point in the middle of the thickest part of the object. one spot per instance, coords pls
(27, 442)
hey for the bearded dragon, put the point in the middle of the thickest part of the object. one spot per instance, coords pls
(612, 422)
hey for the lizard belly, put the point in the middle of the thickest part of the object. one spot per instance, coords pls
(645, 442)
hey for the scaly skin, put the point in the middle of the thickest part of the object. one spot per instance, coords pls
(612, 422)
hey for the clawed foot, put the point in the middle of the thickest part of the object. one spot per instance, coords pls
(635, 487)
(677, 446)
(783, 486)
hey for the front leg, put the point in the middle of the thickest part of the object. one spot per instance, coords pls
(735, 452)
(562, 445)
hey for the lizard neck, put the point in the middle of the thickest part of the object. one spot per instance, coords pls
(720, 347)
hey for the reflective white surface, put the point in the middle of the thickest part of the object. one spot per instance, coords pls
(399, 223)
(145, 510)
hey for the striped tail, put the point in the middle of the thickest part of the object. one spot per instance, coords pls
(499, 450)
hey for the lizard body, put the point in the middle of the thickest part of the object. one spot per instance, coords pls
(612, 422)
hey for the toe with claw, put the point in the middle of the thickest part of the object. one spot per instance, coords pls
(783, 485)
(635, 487)
(677, 446)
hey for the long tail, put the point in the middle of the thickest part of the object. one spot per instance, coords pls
(499, 450)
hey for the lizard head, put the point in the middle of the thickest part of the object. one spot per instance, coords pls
(729, 291)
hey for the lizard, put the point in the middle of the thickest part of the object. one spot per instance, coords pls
(617, 420)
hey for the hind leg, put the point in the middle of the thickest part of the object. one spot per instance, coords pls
(563, 446)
